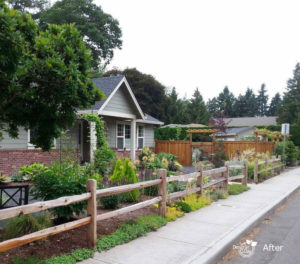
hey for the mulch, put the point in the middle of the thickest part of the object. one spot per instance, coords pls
(68, 241)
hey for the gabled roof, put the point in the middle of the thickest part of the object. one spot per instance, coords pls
(233, 131)
(109, 86)
(251, 121)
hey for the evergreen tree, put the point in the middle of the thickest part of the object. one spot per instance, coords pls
(290, 107)
(212, 106)
(197, 109)
(225, 102)
(172, 107)
(246, 105)
(262, 101)
(274, 105)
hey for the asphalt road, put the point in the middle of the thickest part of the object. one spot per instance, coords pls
(278, 237)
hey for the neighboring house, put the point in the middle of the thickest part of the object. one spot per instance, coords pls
(186, 125)
(123, 118)
(251, 121)
(235, 134)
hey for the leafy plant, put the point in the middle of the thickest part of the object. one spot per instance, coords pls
(62, 259)
(26, 224)
(17, 177)
(196, 202)
(173, 213)
(28, 172)
(82, 254)
(124, 173)
(3, 179)
(62, 179)
(183, 206)
(234, 189)
(110, 202)
(217, 194)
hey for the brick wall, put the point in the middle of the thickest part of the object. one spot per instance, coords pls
(12, 160)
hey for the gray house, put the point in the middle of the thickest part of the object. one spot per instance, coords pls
(235, 133)
(128, 129)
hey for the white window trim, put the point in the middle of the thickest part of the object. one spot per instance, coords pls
(138, 137)
(31, 146)
(120, 123)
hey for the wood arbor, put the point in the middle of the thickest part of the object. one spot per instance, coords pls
(202, 131)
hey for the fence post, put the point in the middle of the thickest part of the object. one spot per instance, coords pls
(245, 179)
(255, 171)
(200, 179)
(91, 187)
(226, 175)
(162, 191)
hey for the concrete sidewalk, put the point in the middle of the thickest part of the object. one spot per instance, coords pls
(204, 236)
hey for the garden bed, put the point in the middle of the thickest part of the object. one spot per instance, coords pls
(68, 241)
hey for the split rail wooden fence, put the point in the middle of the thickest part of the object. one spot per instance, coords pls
(275, 168)
(91, 197)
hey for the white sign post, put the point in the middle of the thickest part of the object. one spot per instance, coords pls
(285, 130)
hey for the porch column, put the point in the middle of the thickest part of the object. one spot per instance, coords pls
(133, 140)
(93, 140)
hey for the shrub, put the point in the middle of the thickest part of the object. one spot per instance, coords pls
(62, 179)
(217, 194)
(124, 173)
(251, 170)
(234, 189)
(130, 230)
(173, 213)
(26, 224)
(183, 206)
(110, 202)
(175, 186)
(28, 172)
(196, 202)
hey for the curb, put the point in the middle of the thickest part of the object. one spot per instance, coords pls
(215, 253)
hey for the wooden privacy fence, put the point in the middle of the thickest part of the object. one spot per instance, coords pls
(91, 219)
(183, 149)
(274, 168)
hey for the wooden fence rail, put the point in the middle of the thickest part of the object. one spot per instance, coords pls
(91, 219)
(273, 167)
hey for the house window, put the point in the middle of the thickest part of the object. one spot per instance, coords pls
(124, 136)
(120, 136)
(140, 137)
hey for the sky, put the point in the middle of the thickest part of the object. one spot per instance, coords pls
(209, 44)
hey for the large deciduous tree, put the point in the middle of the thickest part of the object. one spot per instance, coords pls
(290, 107)
(150, 93)
(101, 32)
(43, 77)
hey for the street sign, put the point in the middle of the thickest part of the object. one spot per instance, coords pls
(285, 128)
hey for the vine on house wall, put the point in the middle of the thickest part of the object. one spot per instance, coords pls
(103, 155)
